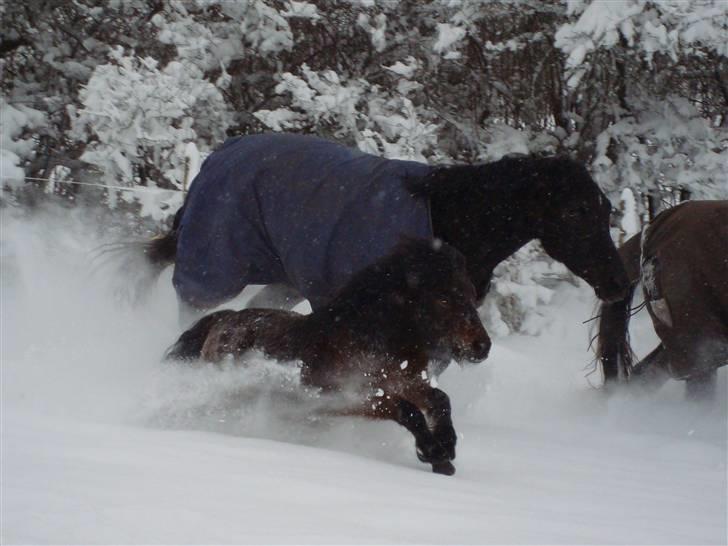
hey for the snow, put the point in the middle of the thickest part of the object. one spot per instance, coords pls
(10, 173)
(648, 28)
(630, 223)
(304, 10)
(448, 36)
(376, 27)
(406, 70)
(102, 443)
(142, 114)
(14, 120)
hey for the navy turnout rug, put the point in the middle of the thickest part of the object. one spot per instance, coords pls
(294, 209)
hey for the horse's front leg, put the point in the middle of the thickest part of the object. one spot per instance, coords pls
(436, 408)
(430, 447)
(408, 415)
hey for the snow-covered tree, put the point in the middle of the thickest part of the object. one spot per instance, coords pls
(137, 118)
(664, 144)
(17, 125)
(374, 119)
(636, 89)
(663, 102)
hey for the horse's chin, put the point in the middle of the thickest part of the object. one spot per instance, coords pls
(613, 290)
(465, 358)
(442, 355)
(470, 361)
(461, 355)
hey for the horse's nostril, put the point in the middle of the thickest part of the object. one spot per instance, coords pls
(481, 348)
(613, 288)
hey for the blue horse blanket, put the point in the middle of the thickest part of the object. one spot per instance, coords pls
(294, 209)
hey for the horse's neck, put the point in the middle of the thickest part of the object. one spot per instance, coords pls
(485, 232)
(370, 320)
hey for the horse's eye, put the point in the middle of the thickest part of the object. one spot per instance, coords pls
(443, 302)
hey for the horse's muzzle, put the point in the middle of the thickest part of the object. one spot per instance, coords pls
(476, 351)
(481, 350)
(614, 290)
(613, 295)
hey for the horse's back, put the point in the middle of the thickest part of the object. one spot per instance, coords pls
(693, 237)
(237, 332)
(295, 209)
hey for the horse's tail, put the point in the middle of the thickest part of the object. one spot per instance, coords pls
(141, 262)
(613, 346)
(157, 253)
(161, 251)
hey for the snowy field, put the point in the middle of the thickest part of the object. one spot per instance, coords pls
(101, 443)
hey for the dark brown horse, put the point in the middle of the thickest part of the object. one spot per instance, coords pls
(373, 341)
(302, 214)
(681, 259)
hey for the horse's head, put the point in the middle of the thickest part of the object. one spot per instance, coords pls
(442, 303)
(574, 229)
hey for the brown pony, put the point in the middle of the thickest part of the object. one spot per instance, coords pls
(375, 339)
(682, 261)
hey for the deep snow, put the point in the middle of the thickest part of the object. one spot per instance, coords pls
(103, 444)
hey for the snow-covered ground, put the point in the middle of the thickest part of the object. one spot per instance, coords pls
(101, 443)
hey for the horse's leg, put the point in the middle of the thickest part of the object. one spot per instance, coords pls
(434, 446)
(409, 416)
(651, 372)
(436, 408)
(191, 343)
(276, 296)
(701, 386)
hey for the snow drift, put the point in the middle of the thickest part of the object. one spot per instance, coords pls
(102, 443)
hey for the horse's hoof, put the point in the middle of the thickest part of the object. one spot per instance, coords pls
(435, 452)
(444, 467)
(447, 440)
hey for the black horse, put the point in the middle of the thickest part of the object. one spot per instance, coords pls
(373, 341)
(303, 214)
(682, 262)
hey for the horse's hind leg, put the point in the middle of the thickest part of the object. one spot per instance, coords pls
(190, 344)
(651, 372)
(701, 386)
(276, 296)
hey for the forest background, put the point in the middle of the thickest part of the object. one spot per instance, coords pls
(135, 93)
